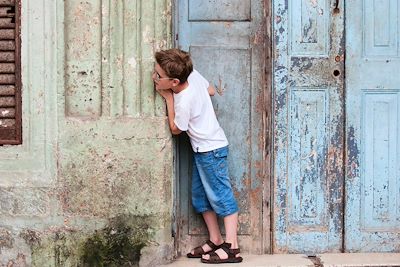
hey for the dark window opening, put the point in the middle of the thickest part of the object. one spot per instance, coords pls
(10, 73)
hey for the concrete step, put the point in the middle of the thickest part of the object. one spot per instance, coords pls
(300, 260)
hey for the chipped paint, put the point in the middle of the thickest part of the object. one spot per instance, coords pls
(353, 155)
(219, 88)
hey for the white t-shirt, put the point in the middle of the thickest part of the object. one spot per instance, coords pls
(194, 113)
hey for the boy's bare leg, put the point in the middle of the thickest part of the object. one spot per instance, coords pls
(211, 221)
(230, 222)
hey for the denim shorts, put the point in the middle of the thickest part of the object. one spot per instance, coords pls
(211, 187)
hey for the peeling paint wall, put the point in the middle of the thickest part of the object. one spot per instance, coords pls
(94, 173)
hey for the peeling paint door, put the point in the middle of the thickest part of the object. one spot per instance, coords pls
(372, 126)
(308, 126)
(226, 40)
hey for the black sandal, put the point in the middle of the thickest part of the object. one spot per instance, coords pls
(214, 258)
(198, 251)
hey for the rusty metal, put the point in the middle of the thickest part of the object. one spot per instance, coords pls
(10, 73)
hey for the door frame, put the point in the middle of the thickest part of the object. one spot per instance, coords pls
(267, 137)
(268, 118)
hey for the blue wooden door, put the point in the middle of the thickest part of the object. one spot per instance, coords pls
(226, 41)
(372, 215)
(308, 98)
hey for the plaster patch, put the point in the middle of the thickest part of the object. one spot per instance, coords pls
(132, 63)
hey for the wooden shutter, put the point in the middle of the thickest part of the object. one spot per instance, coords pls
(10, 76)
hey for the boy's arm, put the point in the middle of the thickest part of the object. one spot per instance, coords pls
(169, 99)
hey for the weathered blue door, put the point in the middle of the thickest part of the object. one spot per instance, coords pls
(226, 41)
(372, 221)
(308, 134)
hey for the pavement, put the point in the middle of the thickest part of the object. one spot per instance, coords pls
(300, 260)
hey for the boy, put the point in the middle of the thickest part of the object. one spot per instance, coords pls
(189, 108)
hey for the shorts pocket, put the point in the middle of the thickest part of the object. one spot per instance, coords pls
(221, 165)
(221, 152)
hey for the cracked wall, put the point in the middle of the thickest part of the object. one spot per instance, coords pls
(94, 174)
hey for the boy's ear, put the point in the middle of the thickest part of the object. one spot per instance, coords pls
(175, 82)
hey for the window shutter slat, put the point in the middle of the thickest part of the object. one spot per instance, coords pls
(6, 90)
(8, 101)
(7, 11)
(7, 79)
(7, 34)
(7, 2)
(7, 68)
(7, 123)
(7, 56)
(7, 45)
(6, 23)
(7, 113)
(10, 73)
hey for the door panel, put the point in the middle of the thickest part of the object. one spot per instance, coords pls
(223, 38)
(308, 126)
(372, 213)
(219, 10)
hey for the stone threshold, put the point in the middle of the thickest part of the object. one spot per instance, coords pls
(300, 260)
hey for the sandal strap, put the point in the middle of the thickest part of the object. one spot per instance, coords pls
(212, 245)
(232, 252)
(198, 251)
(214, 257)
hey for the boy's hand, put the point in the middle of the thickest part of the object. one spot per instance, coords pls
(166, 93)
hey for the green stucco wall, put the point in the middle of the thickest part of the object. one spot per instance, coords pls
(92, 183)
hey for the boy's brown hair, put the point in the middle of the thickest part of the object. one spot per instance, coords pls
(176, 63)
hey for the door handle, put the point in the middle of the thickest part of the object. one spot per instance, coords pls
(336, 8)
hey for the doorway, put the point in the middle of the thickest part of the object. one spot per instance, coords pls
(308, 95)
(226, 39)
